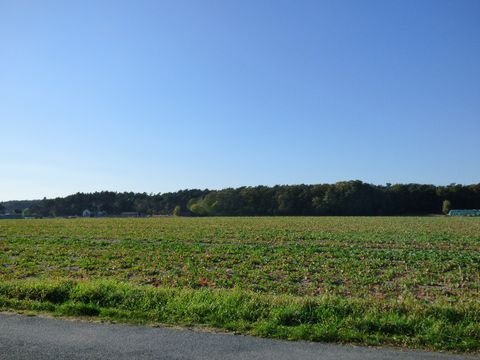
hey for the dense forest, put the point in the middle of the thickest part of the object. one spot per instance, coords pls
(342, 198)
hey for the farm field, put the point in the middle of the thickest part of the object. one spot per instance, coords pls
(405, 281)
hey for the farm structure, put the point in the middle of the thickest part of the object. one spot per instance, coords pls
(10, 216)
(464, 212)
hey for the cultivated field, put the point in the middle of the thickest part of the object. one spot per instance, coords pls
(410, 281)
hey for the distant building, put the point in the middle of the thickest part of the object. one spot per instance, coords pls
(130, 214)
(86, 213)
(10, 216)
(464, 212)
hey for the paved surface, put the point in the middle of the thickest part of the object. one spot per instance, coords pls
(38, 338)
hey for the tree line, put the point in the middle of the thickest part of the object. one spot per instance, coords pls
(341, 198)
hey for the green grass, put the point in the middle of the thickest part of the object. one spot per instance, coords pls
(401, 281)
(327, 318)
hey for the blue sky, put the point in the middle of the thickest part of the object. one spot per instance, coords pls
(157, 96)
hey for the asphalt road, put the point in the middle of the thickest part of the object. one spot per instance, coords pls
(23, 337)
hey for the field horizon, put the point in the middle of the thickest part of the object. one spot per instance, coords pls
(403, 281)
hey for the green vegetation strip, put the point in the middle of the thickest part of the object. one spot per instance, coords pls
(403, 322)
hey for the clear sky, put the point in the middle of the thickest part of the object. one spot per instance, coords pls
(158, 96)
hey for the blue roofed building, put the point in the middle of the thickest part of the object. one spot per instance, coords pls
(464, 212)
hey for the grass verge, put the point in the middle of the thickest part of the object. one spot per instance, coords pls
(406, 322)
